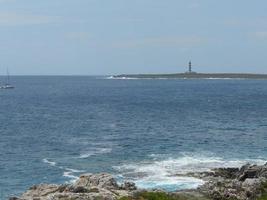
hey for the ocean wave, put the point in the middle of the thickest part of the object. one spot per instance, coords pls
(95, 151)
(224, 78)
(75, 170)
(71, 176)
(51, 163)
(136, 78)
(169, 183)
(162, 173)
(122, 78)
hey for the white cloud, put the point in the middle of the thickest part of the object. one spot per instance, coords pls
(16, 19)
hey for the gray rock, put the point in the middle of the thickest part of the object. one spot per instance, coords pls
(226, 172)
(128, 186)
(88, 187)
(251, 182)
(252, 171)
(245, 183)
(102, 180)
(13, 198)
(40, 191)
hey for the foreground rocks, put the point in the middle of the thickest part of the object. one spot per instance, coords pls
(87, 187)
(247, 183)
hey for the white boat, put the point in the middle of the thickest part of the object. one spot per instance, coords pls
(7, 85)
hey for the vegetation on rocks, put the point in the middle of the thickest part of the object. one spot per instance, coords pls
(164, 196)
(264, 191)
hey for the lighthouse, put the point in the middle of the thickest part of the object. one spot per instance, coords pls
(190, 67)
(189, 71)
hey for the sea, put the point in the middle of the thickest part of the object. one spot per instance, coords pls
(54, 128)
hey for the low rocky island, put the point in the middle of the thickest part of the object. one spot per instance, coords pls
(246, 183)
(193, 75)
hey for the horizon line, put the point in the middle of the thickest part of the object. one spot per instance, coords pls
(161, 73)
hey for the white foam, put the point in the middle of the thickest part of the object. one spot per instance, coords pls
(224, 78)
(120, 78)
(162, 173)
(68, 174)
(169, 183)
(75, 170)
(130, 78)
(95, 151)
(51, 163)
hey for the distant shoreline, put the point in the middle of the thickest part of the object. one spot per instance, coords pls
(194, 76)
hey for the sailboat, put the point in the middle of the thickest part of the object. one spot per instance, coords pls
(7, 85)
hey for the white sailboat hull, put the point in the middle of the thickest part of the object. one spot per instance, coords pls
(7, 87)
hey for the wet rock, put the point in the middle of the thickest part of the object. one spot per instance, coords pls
(13, 198)
(252, 171)
(226, 172)
(128, 186)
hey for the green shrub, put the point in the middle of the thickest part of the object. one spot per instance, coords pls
(263, 197)
(161, 196)
(264, 191)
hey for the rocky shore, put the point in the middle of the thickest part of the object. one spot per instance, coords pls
(246, 183)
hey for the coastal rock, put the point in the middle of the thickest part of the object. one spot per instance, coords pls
(87, 187)
(40, 191)
(247, 183)
(128, 186)
(102, 180)
(229, 173)
(252, 171)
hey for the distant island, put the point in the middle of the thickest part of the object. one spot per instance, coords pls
(194, 75)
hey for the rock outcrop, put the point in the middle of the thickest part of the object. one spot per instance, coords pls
(247, 183)
(87, 187)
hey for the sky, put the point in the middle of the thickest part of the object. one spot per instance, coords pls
(106, 37)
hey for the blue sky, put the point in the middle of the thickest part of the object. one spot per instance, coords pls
(95, 37)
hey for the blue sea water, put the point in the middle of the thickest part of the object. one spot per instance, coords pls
(54, 128)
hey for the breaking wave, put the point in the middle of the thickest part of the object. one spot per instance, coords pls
(170, 173)
(71, 174)
(95, 151)
(51, 163)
